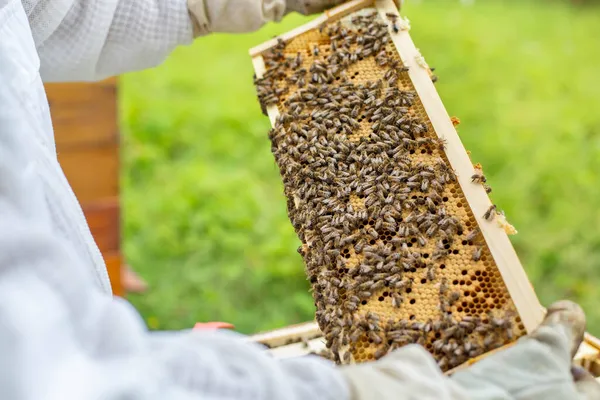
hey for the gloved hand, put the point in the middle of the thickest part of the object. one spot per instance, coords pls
(235, 16)
(538, 367)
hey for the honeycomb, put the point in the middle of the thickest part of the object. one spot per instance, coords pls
(391, 247)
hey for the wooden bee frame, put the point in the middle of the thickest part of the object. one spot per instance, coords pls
(305, 338)
(503, 252)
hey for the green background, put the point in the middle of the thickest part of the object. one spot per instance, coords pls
(204, 212)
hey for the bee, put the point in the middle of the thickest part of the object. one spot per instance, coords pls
(482, 329)
(334, 348)
(373, 233)
(377, 285)
(443, 363)
(372, 316)
(432, 230)
(509, 333)
(459, 352)
(454, 296)
(333, 252)
(490, 213)
(472, 235)
(443, 286)
(500, 323)
(438, 345)
(334, 332)
(468, 347)
(380, 276)
(470, 319)
(478, 178)
(431, 272)
(436, 325)
(477, 253)
(397, 300)
(449, 332)
(373, 326)
(487, 188)
(489, 341)
(359, 246)
(348, 239)
(439, 254)
(355, 335)
(347, 357)
(374, 337)
(365, 269)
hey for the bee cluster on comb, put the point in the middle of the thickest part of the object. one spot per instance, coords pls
(391, 247)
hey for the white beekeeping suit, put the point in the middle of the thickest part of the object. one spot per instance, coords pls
(63, 337)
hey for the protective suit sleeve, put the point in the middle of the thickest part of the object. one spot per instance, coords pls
(83, 40)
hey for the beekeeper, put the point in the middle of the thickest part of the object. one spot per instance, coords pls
(63, 336)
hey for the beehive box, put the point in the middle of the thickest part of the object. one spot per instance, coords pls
(400, 239)
(85, 119)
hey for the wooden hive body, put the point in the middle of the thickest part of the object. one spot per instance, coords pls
(86, 126)
(461, 290)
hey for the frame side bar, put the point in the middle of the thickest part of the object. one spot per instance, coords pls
(259, 67)
(511, 270)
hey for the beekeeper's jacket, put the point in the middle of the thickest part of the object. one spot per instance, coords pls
(62, 335)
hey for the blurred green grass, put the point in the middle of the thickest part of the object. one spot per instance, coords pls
(205, 219)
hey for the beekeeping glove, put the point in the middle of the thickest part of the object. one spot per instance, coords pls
(409, 373)
(538, 367)
(236, 16)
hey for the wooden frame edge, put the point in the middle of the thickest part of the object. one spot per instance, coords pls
(511, 270)
(327, 16)
(308, 330)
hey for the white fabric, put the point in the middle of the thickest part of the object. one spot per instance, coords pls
(22, 85)
(536, 368)
(61, 336)
(94, 39)
(234, 16)
(79, 40)
(409, 373)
